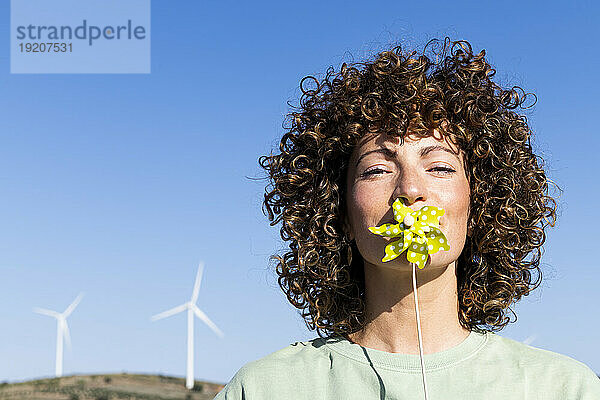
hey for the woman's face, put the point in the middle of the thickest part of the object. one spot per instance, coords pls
(426, 172)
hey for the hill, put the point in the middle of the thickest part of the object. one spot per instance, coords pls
(109, 387)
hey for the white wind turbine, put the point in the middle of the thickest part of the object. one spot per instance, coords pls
(62, 329)
(192, 309)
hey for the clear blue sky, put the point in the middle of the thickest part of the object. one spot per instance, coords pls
(117, 185)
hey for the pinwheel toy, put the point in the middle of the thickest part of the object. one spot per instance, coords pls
(419, 235)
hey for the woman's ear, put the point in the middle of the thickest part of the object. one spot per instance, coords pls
(347, 229)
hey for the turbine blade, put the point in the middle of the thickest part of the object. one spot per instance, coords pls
(207, 321)
(170, 312)
(197, 283)
(71, 307)
(530, 339)
(46, 312)
(66, 333)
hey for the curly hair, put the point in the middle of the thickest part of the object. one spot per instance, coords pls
(445, 87)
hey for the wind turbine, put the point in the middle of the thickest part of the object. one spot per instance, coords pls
(192, 309)
(62, 329)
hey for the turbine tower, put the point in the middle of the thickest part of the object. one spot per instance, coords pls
(62, 330)
(192, 309)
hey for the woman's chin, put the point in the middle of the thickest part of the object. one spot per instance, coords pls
(401, 263)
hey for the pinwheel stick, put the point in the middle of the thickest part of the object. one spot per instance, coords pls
(414, 279)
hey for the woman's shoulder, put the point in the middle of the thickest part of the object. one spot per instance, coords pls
(530, 358)
(296, 356)
(527, 354)
(293, 366)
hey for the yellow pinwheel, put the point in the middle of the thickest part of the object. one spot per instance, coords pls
(418, 233)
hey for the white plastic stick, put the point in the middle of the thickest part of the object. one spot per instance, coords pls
(419, 331)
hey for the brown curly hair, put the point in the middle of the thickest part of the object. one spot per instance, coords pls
(396, 93)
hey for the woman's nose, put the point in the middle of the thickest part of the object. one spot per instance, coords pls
(410, 187)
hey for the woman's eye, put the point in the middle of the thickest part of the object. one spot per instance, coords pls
(444, 170)
(374, 171)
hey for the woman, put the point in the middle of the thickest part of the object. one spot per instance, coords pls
(410, 130)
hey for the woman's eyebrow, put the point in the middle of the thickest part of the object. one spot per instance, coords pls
(426, 150)
(383, 150)
(392, 154)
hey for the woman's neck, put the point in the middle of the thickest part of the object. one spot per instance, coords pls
(391, 322)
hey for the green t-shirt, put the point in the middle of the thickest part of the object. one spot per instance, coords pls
(484, 366)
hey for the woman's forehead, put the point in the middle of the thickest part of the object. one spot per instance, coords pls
(381, 140)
